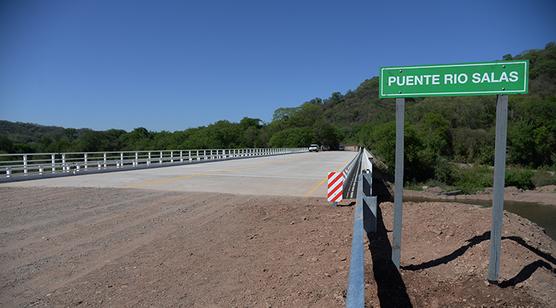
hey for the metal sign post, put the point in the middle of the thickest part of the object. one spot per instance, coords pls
(398, 193)
(498, 189)
(465, 79)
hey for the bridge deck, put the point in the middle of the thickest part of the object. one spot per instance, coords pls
(288, 175)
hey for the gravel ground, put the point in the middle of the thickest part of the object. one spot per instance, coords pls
(129, 247)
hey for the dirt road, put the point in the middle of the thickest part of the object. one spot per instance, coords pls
(128, 247)
(125, 247)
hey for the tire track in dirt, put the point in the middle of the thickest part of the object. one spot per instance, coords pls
(84, 213)
(178, 249)
(95, 221)
(91, 249)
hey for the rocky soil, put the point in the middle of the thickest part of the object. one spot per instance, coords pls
(445, 254)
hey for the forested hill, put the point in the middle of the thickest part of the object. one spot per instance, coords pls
(438, 130)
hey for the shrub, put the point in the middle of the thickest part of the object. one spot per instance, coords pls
(543, 178)
(474, 179)
(521, 178)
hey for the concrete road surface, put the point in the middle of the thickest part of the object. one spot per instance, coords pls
(301, 174)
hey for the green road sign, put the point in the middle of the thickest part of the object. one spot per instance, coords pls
(466, 79)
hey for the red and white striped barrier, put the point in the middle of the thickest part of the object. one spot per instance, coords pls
(335, 186)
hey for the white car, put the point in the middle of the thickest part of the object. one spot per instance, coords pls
(314, 148)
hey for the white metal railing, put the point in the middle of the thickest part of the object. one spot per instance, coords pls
(366, 162)
(35, 165)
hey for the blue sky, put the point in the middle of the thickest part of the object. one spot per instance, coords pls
(170, 65)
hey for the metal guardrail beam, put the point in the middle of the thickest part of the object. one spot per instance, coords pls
(350, 170)
(28, 166)
(364, 221)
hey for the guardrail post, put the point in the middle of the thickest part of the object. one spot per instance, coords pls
(104, 159)
(64, 168)
(85, 161)
(369, 204)
(189, 155)
(25, 164)
(53, 162)
(171, 156)
(40, 170)
(8, 172)
(204, 154)
(181, 156)
(121, 159)
(136, 162)
(149, 158)
(160, 158)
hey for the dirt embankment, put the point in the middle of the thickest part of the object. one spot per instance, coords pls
(445, 256)
(543, 195)
(123, 247)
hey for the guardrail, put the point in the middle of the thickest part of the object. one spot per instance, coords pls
(364, 220)
(17, 167)
(350, 170)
